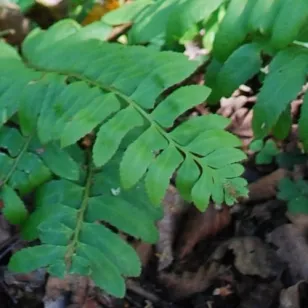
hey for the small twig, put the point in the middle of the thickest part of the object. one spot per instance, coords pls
(11, 242)
(136, 288)
(7, 292)
(7, 32)
(118, 31)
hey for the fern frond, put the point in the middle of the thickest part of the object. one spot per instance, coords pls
(264, 23)
(72, 240)
(263, 16)
(25, 165)
(288, 22)
(287, 75)
(233, 29)
(233, 73)
(166, 20)
(115, 89)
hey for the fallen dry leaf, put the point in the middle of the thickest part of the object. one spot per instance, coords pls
(135, 287)
(231, 104)
(174, 208)
(292, 249)
(57, 303)
(223, 291)
(290, 297)
(83, 293)
(99, 10)
(144, 251)
(12, 19)
(188, 283)
(5, 233)
(253, 257)
(241, 123)
(265, 187)
(80, 287)
(200, 225)
(299, 220)
(55, 288)
(31, 281)
(263, 296)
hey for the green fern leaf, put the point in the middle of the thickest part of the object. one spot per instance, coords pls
(66, 219)
(11, 67)
(140, 155)
(7, 51)
(283, 125)
(233, 29)
(186, 14)
(187, 131)
(263, 16)
(303, 122)
(177, 103)
(14, 209)
(212, 140)
(303, 33)
(201, 191)
(212, 25)
(40, 256)
(159, 174)
(111, 134)
(289, 20)
(26, 163)
(165, 20)
(187, 176)
(232, 74)
(116, 90)
(152, 21)
(287, 74)
(21, 168)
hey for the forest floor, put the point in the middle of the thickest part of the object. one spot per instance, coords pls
(251, 255)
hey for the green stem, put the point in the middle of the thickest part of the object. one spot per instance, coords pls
(80, 216)
(17, 159)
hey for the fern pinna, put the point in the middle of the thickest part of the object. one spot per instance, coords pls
(69, 83)
(237, 32)
(252, 32)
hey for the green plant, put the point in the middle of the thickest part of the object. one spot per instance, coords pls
(67, 84)
(244, 42)
(238, 32)
(25, 165)
(295, 193)
(266, 151)
(165, 22)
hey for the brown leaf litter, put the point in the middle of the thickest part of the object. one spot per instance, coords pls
(174, 208)
(292, 249)
(201, 225)
(266, 187)
(262, 296)
(294, 296)
(251, 257)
